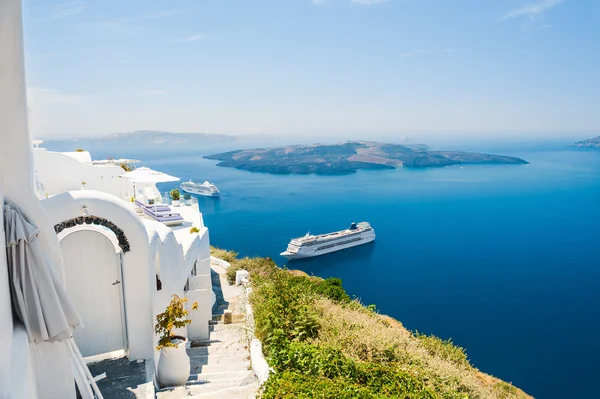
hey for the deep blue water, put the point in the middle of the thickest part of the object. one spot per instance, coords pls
(505, 260)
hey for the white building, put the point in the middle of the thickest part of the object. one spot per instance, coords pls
(120, 268)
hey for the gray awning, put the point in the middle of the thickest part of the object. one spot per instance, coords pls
(38, 295)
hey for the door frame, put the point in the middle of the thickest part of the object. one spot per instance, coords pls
(119, 261)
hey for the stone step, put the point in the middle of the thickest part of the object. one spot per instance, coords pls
(215, 368)
(221, 375)
(199, 361)
(221, 327)
(197, 389)
(222, 338)
(228, 336)
(235, 318)
(233, 379)
(221, 349)
(245, 392)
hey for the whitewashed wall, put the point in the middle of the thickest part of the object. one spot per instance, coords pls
(16, 177)
(174, 261)
(6, 322)
(138, 269)
(61, 172)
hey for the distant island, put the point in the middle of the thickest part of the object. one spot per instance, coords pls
(589, 143)
(349, 157)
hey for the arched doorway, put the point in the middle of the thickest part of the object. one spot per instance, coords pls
(93, 279)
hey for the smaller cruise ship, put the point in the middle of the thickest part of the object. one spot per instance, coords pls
(309, 245)
(205, 189)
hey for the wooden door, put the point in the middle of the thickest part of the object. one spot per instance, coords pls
(94, 282)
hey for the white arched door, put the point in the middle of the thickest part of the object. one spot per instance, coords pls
(94, 282)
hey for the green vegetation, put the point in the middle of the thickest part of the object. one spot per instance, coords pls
(126, 167)
(227, 256)
(323, 344)
(194, 229)
(175, 194)
(174, 316)
(80, 150)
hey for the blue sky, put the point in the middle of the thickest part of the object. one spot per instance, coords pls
(341, 68)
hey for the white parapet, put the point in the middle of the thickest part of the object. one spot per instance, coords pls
(259, 364)
(198, 328)
(220, 262)
(240, 276)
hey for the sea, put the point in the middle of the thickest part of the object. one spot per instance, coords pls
(502, 259)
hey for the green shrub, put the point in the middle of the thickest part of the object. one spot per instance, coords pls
(175, 194)
(444, 349)
(378, 383)
(505, 390)
(322, 344)
(174, 316)
(227, 256)
(295, 385)
(332, 288)
(231, 271)
(194, 229)
(283, 310)
(126, 167)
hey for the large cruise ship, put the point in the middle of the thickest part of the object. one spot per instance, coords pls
(309, 245)
(205, 189)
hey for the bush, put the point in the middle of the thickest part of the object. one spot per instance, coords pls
(332, 288)
(295, 385)
(174, 316)
(231, 273)
(283, 311)
(257, 266)
(325, 345)
(194, 229)
(126, 167)
(175, 194)
(444, 349)
(227, 256)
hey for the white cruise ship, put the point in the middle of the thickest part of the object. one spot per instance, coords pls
(310, 245)
(205, 189)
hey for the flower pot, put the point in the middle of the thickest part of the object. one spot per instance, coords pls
(174, 365)
(175, 202)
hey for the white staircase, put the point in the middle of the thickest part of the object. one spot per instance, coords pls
(220, 366)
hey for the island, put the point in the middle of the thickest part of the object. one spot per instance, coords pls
(348, 157)
(589, 143)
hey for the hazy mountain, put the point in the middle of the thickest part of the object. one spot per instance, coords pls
(152, 142)
(589, 143)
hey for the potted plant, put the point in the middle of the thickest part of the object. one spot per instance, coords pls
(187, 199)
(194, 230)
(83, 185)
(175, 196)
(174, 362)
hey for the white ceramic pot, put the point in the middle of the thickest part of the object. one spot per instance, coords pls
(175, 202)
(174, 365)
